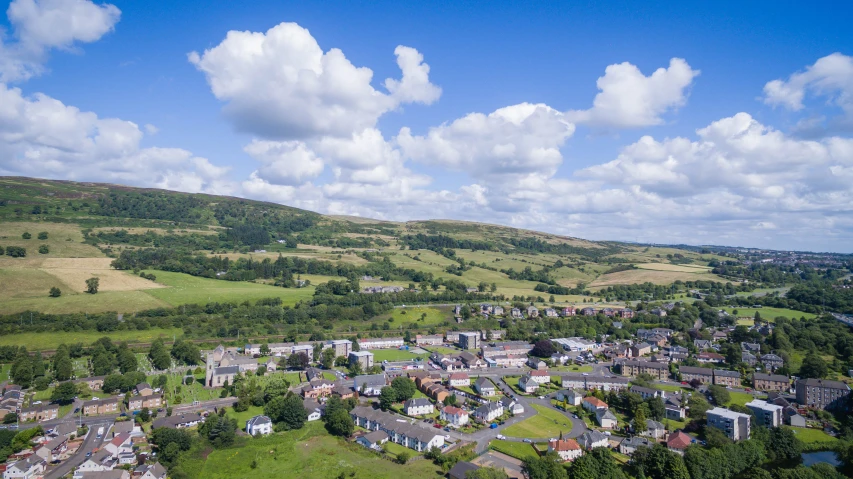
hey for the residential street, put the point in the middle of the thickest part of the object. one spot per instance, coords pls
(90, 442)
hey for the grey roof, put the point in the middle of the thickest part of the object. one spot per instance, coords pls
(823, 383)
(390, 422)
(606, 414)
(644, 390)
(257, 421)
(461, 469)
(770, 357)
(636, 441)
(484, 383)
(592, 436)
(175, 421)
(488, 407)
(370, 380)
(226, 370)
(725, 373)
(376, 436)
(651, 424)
(122, 426)
(771, 377)
(417, 402)
(694, 370)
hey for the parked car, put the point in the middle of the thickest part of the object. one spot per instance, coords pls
(437, 426)
(528, 441)
(501, 436)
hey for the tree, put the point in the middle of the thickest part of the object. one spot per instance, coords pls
(287, 411)
(62, 366)
(596, 464)
(186, 352)
(639, 421)
(127, 361)
(403, 457)
(813, 366)
(44, 249)
(355, 369)
(26, 235)
(92, 285)
(340, 423)
(697, 407)
(543, 348)
(144, 415)
(64, 393)
(715, 437)
(404, 388)
(55, 292)
(658, 462)
(16, 252)
(265, 348)
(220, 431)
(387, 397)
(719, 394)
(159, 356)
(327, 358)
(657, 409)
(22, 371)
(545, 467)
(783, 445)
(42, 235)
(297, 361)
(756, 473)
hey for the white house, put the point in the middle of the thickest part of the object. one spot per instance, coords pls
(484, 387)
(540, 376)
(592, 439)
(313, 408)
(567, 449)
(373, 440)
(594, 404)
(459, 379)
(511, 405)
(119, 444)
(259, 425)
(606, 419)
(454, 416)
(418, 407)
(654, 429)
(571, 396)
(489, 411)
(527, 384)
(26, 468)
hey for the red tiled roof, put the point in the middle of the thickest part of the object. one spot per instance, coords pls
(678, 440)
(564, 445)
(455, 411)
(459, 376)
(595, 401)
(539, 373)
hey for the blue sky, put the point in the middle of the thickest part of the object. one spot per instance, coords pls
(707, 150)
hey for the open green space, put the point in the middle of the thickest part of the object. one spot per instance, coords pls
(809, 436)
(50, 340)
(740, 398)
(573, 368)
(769, 314)
(380, 355)
(186, 289)
(69, 302)
(309, 453)
(518, 450)
(244, 416)
(441, 349)
(547, 423)
(421, 316)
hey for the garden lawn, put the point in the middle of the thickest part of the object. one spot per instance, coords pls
(309, 453)
(548, 423)
(380, 355)
(518, 450)
(809, 436)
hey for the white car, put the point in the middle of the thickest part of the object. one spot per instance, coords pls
(541, 397)
(501, 436)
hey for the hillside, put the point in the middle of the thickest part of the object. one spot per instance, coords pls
(88, 225)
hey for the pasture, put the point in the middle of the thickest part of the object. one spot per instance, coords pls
(639, 276)
(186, 289)
(769, 314)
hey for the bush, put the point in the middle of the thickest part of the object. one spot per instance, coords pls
(43, 249)
(16, 251)
(403, 457)
(26, 235)
(42, 235)
(55, 292)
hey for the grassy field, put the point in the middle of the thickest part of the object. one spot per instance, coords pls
(548, 423)
(380, 355)
(518, 450)
(683, 268)
(310, 453)
(244, 416)
(50, 340)
(412, 315)
(186, 289)
(769, 314)
(809, 436)
(638, 276)
(740, 398)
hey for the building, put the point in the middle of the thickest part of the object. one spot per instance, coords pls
(369, 384)
(703, 375)
(630, 445)
(119, 445)
(489, 412)
(766, 414)
(459, 379)
(429, 340)
(100, 406)
(640, 349)
(748, 358)
(469, 340)
(380, 343)
(28, 468)
(180, 421)
(373, 440)
(51, 450)
(734, 424)
(654, 430)
(144, 389)
(484, 387)
(823, 394)
(648, 393)
(471, 361)
(40, 413)
(512, 405)
(342, 347)
(461, 469)
(317, 388)
(678, 442)
(571, 396)
(520, 348)
(454, 415)
(137, 403)
(451, 337)
(532, 312)
(408, 435)
(771, 382)
(771, 362)
(313, 408)
(418, 407)
(727, 378)
(536, 363)
(659, 371)
(365, 358)
(150, 471)
(592, 439)
(259, 426)
(576, 344)
(592, 403)
(712, 358)
(567, 449)
(493, 334)
(606, 419)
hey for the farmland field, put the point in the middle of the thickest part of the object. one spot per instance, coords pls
(638, 276)
(683, 268)
(50, 340)
(769, 314)
(186, 289)
(75, 271)
(541, 425)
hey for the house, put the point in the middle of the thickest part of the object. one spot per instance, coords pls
(648, 393)
(100, 460)
(654, 429)
(317, 388)
(120, 427)
(703, 375)
(592, 439)
(678, 442)
(568, 311)
(370, 384)
(630, 445)
(119, 444)
(30, 467)
(726, 378)
(489, 412)
(137, 403)
(606, 419)
(532, 312)
(550, 313)
(373, 440)
(748, 358)
(734, 424)
(178, 421)
(674, 407)
(770, 382)
(150, 471)
(408, 435)
(492, 334)
(588, 311)
(343, 392)
(771, 362)
(571, 396)
(313, 408)
(506, 348)
(515, 313)
(436, 391)
(750, 347)
(429, 340)
(418, 407)
(567, 449)
(714, 358)
(766, 414)
(51, 450)
(380, 343)
(100, 406)
(484, 387)
(144, 389)
(40, 413)
(560, 358)
(498, 311)
(454, 415)
(606, 383)
(658, 312)
(592, 403)
(461, 469)
(364, 358)
(512, 405)
(95, 383)
(259, 426)
(634, 368)
(626, 313)
(471, 361)
(702, 344)
(822, 394)
(459, 379)
(527, 384)
(641, 349)
(536, 363)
